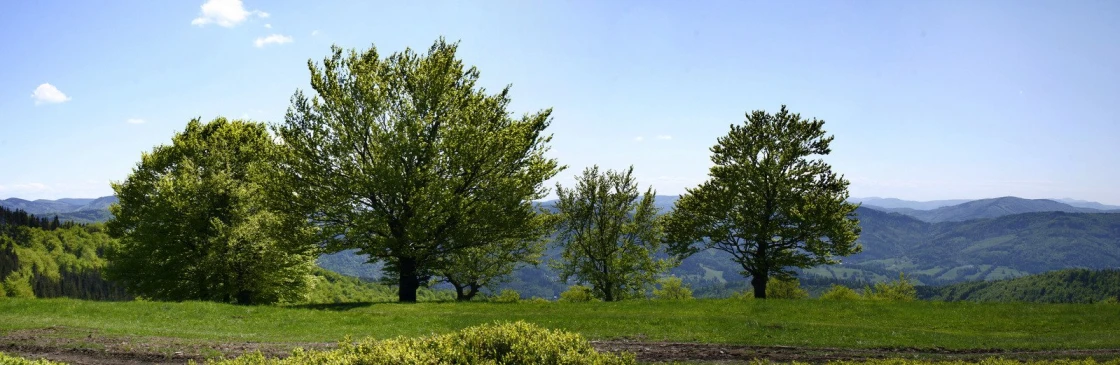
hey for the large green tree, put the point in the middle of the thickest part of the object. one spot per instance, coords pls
(195, 222)
(770, 201)
(609, 238)
(408, 160)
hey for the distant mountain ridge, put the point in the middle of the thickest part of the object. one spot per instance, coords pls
(894, 203)
(80, 210)
(988, 208)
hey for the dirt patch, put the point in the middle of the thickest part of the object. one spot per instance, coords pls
(735, 354)
(86, 347)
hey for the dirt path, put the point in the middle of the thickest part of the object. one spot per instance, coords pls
(90, 348)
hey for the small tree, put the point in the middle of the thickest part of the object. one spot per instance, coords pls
(576, 293)
(840, 292)
(607, 236)
(195, 224)
(767, 202)
(672, 288)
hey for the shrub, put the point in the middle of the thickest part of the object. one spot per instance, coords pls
(576, 293)
(785, 289)
(840, 292)
(537, 300)
(508, 343)
(901, 290)
(672, 289)
(18, 285)
(507, 296)
(6, 359)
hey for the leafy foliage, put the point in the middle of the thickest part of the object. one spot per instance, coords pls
(609, 239)
(767, 203)
(901, 290)
(840, 292)
(406, 159)
(503, 343)
(785, 289)
(577, 293)
(507, 296)
(474, 268)
(51, 263)
(672, 289)
(195, 223)
(6, 359)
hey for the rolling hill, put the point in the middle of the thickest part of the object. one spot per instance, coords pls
(67, 209)
(1063, 286)
(986, 208)
(893, 203)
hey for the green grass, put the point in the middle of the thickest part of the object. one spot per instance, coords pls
(812, 323)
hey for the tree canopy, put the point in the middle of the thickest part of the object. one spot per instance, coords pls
(768, 202)
(408, 160)
(609, 238)
(194, 221)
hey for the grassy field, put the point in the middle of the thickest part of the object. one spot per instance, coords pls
(805, 323)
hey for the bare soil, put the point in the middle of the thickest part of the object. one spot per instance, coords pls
(83, 347)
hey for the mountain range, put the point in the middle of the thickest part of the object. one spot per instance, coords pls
(948, 242)
(67, 209)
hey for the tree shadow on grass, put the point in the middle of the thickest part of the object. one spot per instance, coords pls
(340, 307)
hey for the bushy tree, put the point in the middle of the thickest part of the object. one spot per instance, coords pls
(840, 292)
(194, 221)
(769, 202)
(786, 289)
(576, 293)
(408, 160)
(608, 237)
(672, 288)
(901, 290)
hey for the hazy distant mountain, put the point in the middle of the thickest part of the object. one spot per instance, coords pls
(987, 208)
(67, 209)
(1088, 204)
(893, 203)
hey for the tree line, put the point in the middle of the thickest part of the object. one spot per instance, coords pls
(405, 158)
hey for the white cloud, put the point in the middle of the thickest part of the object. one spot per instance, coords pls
(272, 39)
(226, 13)
(48, 94)
(664, 137)
(314, 32)
(639, 138)
(136, 121)
(269, 26)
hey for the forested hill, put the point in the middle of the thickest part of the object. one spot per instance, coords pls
(1064, 286)
(984, 208)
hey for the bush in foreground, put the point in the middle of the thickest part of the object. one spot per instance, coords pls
(840, 292)
(506, 343)
(576, 293)
(785, 289)
(901, 290)
(6, 359)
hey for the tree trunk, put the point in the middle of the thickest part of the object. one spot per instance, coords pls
(466, 292)
(245, 297)
(409, 282)
(758, 281)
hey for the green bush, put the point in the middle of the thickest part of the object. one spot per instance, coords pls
(507, 343)
(672, 289)
(785, 289)
(901, 290)
(840, 292)
(6, 359)
(576, 293)
(537, 300)
(18, 285)
(507, 296)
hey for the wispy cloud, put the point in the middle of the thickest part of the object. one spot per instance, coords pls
(314, 32)
(135, 121)
(665, 137)
(639, 139)
(272, 39)
(226, 13)
(48, 94)
(269, 26)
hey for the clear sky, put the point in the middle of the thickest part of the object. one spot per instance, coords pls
(927, 100)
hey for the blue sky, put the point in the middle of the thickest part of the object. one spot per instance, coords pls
(928, 100)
